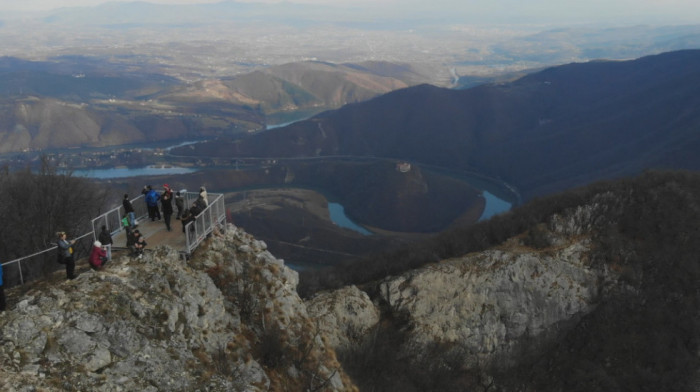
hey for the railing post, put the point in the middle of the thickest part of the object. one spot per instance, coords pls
(21, 277)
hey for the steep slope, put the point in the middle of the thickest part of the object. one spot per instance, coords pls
(548, 131)
(227, 320)
(593, 289)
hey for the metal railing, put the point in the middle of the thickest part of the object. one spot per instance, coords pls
(40, 264)
(204, 223)
(112, 219)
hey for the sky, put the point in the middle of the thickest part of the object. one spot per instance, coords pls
(624, 11)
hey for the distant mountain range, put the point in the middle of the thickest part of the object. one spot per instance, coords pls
(548, 131)
(75, 101)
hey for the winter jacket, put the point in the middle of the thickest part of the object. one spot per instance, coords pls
(64, 248)
(203, 197)
(152, 198)
(179, 202)
(167, 202)
(95, 256)
(127, 206)
(105, 238)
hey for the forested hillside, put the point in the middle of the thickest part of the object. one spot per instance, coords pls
(641, 333)
(549, 131)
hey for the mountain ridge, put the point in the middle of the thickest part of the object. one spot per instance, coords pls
(558, 128)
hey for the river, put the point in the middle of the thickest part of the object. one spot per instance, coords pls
(494, 206)
(338, 217)
(123, 172)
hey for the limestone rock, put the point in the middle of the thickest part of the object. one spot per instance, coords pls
(345, 316)
(164, 324)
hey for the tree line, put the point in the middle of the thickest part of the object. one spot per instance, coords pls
(40, 202)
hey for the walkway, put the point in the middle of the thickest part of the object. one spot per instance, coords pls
(156, 234)
(40, 265)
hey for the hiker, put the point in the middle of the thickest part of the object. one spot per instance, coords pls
(186, 218)
(129, 210)
(106, 239)
(98, 256)
(203, 199)
(131, 240)
(139, 244)
(2, 292)
(152, 198)
(65, 254)
(179, 203)
(166, 202)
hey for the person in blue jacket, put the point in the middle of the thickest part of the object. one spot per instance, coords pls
(2, 292)
(152, 198)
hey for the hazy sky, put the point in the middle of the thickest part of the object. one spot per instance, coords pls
(623, 11)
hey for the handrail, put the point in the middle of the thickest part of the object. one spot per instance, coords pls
(197, 231)
(204, 223)
(19, 261)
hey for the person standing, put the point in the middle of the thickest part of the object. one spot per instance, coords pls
(152, 198)
(2, 292)
(166, 202)
(106, 239)
(65, 251)
(129, 210)
(179, 203)
(203, 199)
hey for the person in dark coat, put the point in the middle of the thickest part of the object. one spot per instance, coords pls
(166, 202)
(65, 252)
(179, 203)
(2, 293)
(139, 244)
(129, 210)
(185, 218)
(106, 239)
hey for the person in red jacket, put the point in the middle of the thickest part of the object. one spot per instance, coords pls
(98, 256)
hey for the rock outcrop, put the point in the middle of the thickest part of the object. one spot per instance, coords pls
(228, 319)
(483, 308)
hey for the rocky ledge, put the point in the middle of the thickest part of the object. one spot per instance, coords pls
(228, 319)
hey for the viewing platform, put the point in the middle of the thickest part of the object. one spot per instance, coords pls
(155, 232)
(43, 263)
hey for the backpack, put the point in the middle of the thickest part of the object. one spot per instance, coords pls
(125, 222)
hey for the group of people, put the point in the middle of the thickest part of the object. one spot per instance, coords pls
(100, 253)
(135, 241)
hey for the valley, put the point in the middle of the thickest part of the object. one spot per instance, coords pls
(285, 202)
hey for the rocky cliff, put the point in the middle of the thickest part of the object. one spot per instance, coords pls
(228, 319)
(479, 311)
(599, 295)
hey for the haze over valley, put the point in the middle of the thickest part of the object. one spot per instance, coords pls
(466, 101)
(454, 195)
